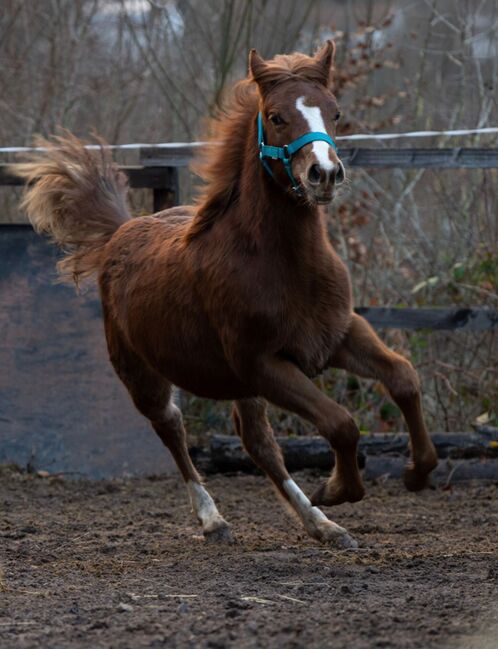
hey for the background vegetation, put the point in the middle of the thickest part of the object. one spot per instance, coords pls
(152, 70)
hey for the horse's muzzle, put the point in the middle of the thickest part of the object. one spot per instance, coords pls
(320, 182)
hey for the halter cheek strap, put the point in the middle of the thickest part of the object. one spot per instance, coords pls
(286, 152)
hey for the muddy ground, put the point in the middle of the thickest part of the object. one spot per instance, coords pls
(120, 564)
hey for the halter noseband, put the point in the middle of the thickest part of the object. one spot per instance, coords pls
(286, 152)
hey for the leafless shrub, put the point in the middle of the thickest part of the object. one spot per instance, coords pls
(152, 70)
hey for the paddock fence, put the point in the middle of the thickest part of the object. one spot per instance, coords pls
(159, 172)
(53, 355)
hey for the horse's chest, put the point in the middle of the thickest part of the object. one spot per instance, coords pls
(312, 338)
(313, 315)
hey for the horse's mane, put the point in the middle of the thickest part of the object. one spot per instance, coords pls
(220, 166)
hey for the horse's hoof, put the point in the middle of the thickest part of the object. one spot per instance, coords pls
(329, 494)
(416, 475)
(331, 533)
(347, 542)
(416, 478)
(220, 534)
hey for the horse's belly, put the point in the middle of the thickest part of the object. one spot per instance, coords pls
(188, 353)
(203, 374)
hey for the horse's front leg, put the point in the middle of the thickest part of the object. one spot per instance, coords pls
(258, 439)
(363, 353)
(283, 384)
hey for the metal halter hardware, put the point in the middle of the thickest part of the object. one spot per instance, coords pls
(286, 152)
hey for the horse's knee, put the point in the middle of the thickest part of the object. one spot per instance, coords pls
(172, 415)
(262, 447)
(340, 430)
(153, 409)
(404, 382)
(253, 427)
(259, 442)
(169, 423)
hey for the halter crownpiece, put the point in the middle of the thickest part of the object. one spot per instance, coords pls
(286, 152)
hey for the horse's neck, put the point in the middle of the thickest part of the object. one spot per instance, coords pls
(266, 214)
(252, 209)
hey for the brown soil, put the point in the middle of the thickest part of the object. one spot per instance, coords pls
(120, 564)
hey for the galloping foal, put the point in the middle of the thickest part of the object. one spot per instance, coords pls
(241, 296)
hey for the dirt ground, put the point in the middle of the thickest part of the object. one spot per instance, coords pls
(120, 564)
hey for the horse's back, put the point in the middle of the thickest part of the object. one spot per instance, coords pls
(143, 236)
(179, 214)
(142, 250)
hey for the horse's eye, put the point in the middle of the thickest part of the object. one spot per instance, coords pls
(337, 116)
(276, 119)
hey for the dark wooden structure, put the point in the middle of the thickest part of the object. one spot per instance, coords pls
(225, 453)
(50, 419)
(162, 180)
(55, 379)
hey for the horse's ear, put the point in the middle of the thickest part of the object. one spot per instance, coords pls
(257, 65)
(324, 59)
(261, 72)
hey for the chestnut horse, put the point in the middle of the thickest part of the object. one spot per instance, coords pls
(241, 296)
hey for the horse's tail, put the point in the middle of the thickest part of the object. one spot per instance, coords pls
(78, 197)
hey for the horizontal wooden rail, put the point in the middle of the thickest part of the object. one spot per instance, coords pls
(163, 180)
(457, 158)
(182, 154)
(431, 318)
(139, 176)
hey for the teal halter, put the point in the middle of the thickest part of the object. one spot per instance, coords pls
(286, 152)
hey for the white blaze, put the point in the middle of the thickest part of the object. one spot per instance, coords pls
(313, 115)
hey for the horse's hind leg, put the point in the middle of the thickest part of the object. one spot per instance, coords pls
(171, 431)
(363, 353)
(258, 439)
(152, 396)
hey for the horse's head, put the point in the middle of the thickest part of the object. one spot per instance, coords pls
(295, 100)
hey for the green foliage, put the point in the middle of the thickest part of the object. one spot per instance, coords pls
(389, 412)
(475, 277)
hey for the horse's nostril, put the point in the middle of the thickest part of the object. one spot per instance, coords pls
(340, 174)
(314, 174)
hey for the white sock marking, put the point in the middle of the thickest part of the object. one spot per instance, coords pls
(301, 503)
(203, 505)
(313, 115)
(313, 518)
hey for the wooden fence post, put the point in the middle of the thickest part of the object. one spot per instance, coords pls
(168, 196)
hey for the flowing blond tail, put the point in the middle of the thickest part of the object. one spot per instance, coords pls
(78, 197)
